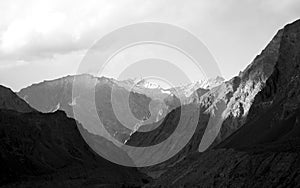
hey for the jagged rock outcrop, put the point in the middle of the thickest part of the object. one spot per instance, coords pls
(241, 90)
(274, 114)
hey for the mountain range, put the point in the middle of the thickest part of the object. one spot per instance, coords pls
(258, 145)
(243, 132)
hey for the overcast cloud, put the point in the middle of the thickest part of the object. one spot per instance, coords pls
(46, 39)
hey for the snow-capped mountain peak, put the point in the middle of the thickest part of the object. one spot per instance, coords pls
(147, 84)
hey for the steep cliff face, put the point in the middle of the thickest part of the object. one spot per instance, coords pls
(242, 90)
(274, 115)
(47, 150)
(264, 152)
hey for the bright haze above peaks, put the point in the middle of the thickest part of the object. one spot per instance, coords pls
(43, 40)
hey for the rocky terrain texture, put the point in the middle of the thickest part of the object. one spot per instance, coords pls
(238, 93)
(262, 150)
(47, 150)
(223, 110)
(274, 115)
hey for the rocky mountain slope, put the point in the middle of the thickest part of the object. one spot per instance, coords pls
(223, 109)
(274, 115)
(238, 94)
(259, 146)
(47, 150)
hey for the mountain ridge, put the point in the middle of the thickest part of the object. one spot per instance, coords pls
(9, 100)
(264, 151)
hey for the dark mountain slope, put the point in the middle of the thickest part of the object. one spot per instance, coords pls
(55, 95)
(47, 150)
(9, 100)
(229, 168)
(186, 121)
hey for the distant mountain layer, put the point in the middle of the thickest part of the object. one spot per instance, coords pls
(47, 150)
(147, 105)
(49, 96)
(259, 142)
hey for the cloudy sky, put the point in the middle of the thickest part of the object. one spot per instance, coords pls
(41, 40)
